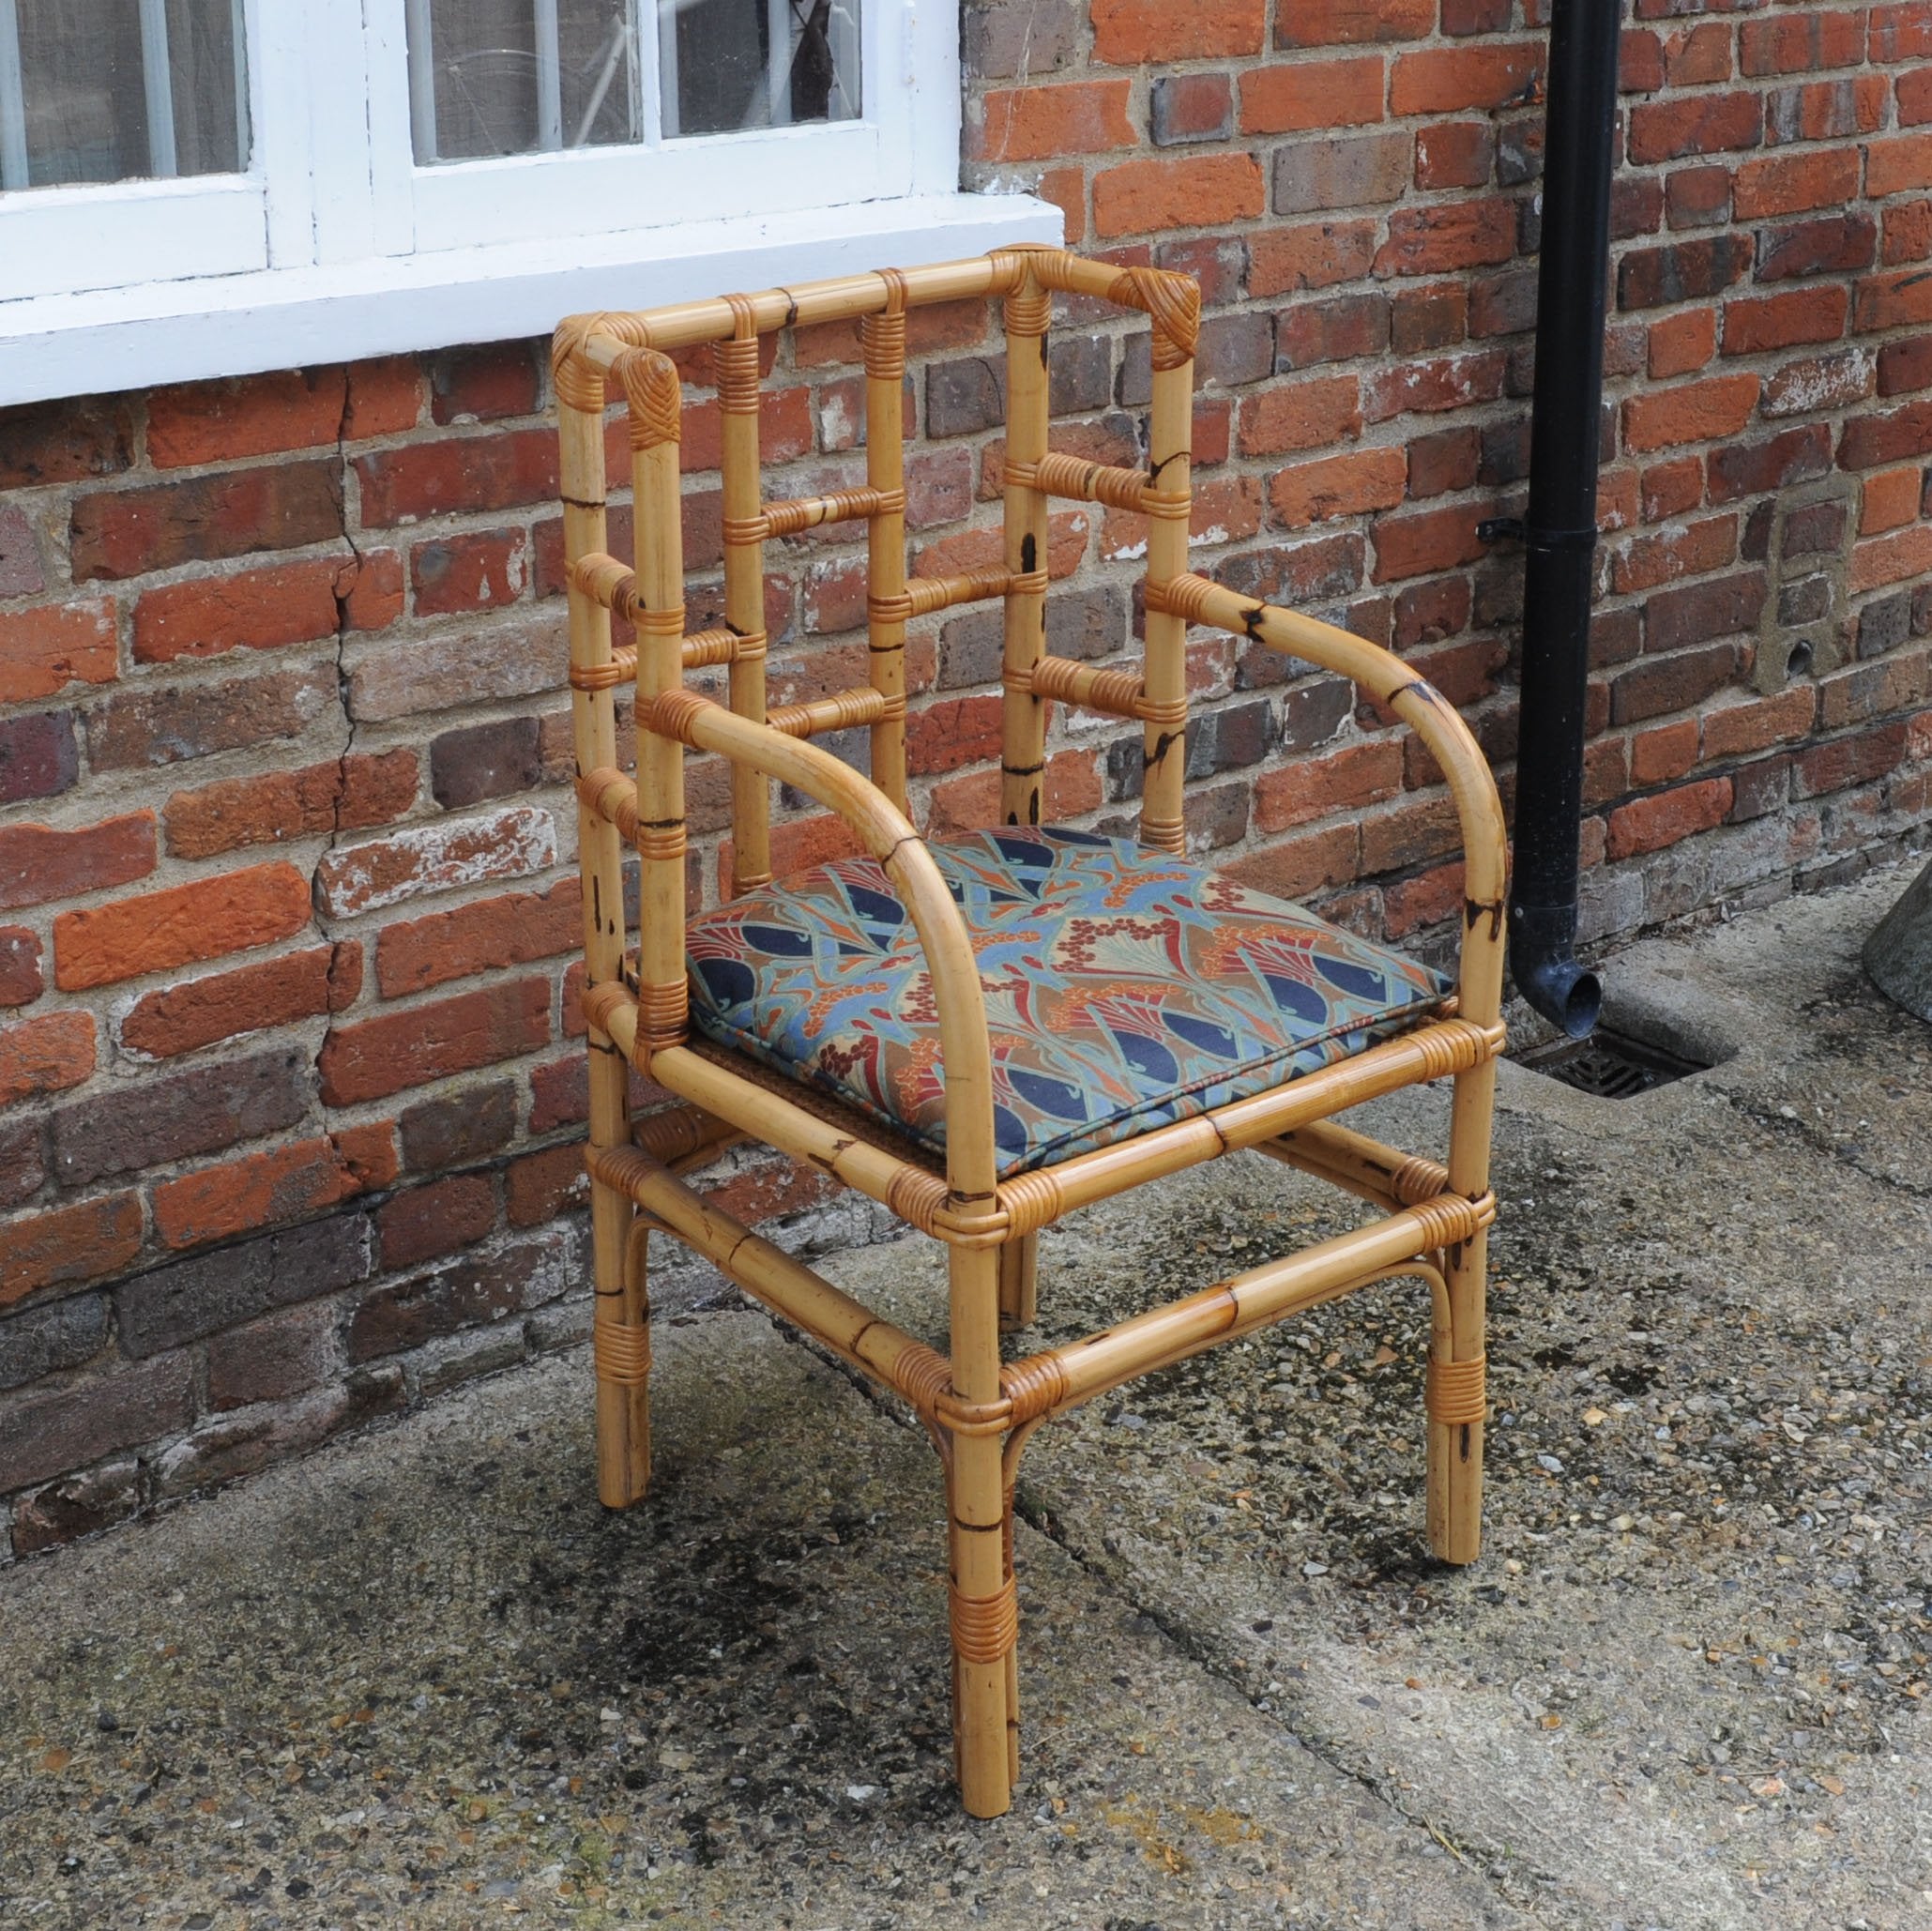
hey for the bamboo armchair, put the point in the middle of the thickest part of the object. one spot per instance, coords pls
(956, 1171)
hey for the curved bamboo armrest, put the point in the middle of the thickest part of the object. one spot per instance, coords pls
(888, 836)
(1433, 718)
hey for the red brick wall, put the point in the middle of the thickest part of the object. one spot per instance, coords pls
(289, 1080)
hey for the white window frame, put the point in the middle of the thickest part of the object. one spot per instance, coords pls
(112, 234)
(335, 245)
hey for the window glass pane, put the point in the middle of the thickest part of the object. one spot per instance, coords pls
(733, 64)
(114, 90)
(491, 77)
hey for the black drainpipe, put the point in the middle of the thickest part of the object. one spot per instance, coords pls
(1559, 530)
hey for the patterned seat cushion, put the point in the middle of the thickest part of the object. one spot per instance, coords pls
(1125, 989)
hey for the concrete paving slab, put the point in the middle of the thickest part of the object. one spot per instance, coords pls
(421, 1678)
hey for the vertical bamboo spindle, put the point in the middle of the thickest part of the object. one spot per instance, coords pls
(1023, 732)
(982, 1595)
(1456, 1370)
(623, 1404)
(1174, 306)
(1023, 741)
(651, 388)
(884, 340)
(737, 365)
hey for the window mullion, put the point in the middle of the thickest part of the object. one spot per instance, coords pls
(314, 156)
(660, 76)
(158, 87)
(421, 57)
(622, 53)
(238, 37)
(13, 103)
(778, 27)
(550, 86)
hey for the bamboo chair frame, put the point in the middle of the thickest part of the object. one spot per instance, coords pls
(979, 1409)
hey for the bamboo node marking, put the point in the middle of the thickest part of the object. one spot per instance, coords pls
(653, 395)
(1452, 1391)
(621, 1353)
(985, 1628)
(1172, 303)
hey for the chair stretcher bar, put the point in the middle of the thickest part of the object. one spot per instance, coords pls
(1058, 1378)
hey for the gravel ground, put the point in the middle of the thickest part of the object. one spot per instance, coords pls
(421, 1678)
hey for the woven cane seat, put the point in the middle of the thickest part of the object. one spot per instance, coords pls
(1125, 989)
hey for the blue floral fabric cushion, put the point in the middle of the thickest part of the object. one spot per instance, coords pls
(1125, 989)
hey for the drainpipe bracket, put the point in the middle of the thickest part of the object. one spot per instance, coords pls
(1584, 539)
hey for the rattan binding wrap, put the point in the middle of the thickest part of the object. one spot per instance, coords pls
(621, 1353)
(1453, 1391)
(985, 1628)
(650, 382)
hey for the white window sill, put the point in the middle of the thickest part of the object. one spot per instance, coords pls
(283, 318)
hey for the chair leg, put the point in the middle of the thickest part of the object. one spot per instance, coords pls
(985, 1663)
(620, 1339)
(1019, 1268)
(1456, 1392)
(1456, 1408)
(1013, 1654)
(981, 1596)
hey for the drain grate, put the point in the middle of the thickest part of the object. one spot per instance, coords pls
(1609, 1065)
